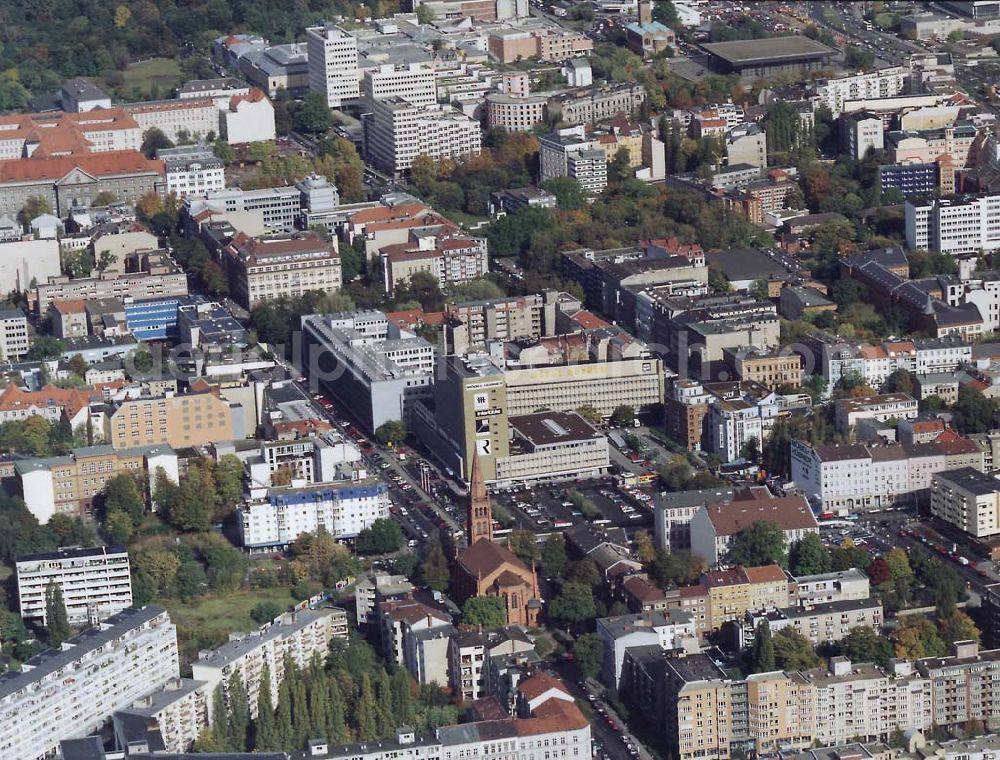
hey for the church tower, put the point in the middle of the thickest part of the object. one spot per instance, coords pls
(479, 520)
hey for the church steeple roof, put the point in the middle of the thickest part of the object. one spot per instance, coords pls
(480, 517)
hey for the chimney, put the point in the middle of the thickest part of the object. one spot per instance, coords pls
(645, 11)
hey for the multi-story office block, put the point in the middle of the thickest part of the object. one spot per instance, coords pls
(69, 693)
(13, 334)
(300, 634)
(288, 265)
(192, 170)
(342, 509)
(570, 153)
(95, 583)
(333, 64)
(469, 325)
(415, 83)
(279, 206)
(188, 419)
(153, 275)
(450, 258)
(374, 368)
(397, 131)
(954, 226)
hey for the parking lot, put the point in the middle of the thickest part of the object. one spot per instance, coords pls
(545, 509)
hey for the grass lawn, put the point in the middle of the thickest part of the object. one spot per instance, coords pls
(213, 618)
(165, 73)
(886, 20)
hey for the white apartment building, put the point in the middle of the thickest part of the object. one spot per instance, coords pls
(959, 226)
(95, 583)
(194, 118)
(333, 64)
(569, 153)
(855, 478)
(883, 408)
(13, 334)
(863, 700)
(192, 170)
(376, 586)
(968, 499)
(396, 132)
(300, 634)
(549, 727)
(342, 509)
(279, 206)
(179, 710)
(864, 132)
(415, 83)
(71, 692)
(836, 586)
(715, 525)
(731, 425)
(885, 83)
(666, 629)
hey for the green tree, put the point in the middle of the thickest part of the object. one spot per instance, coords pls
(118, 527)
(336, 719)
(863, 644)
(523, 544)
(974, 413)
(750, 450)
(809, 556)
(34, 206)
(56, 620)
(265, 612)
(191, 580)
(228, 483)
(313, 115)
(793, 651)
(676, 568)
(569, 193)
(487, 611)
(122, 494)
(762, 651)
(588, 651)
(623, 416)
(265, 732)
(665, 12)
(153, 139)
(366, 711)
(434, 568)
(384, 536)
(761, 543)
(590, 414)
(391, 433)
(238, 723)
(554, 559)
(573, 604)
(45, 347)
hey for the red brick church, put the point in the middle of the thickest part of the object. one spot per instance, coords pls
(488, 569)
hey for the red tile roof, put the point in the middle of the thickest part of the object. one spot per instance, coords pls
(731, 516)
(108, 164)
(541, 682)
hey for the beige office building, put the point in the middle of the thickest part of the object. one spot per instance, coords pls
(193, 419)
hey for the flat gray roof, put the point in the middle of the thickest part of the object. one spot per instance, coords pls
(743, 52)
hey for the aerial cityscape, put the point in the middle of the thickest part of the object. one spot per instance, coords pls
(502, 379)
